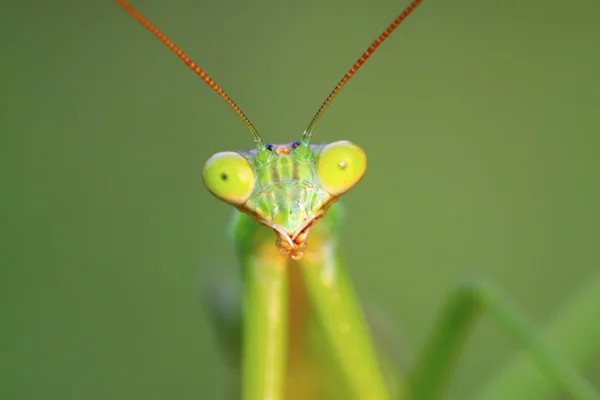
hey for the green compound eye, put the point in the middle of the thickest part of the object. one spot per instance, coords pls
(230, 177)
(340, 165)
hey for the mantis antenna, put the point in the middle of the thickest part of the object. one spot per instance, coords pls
(194, 67)
(308, 132)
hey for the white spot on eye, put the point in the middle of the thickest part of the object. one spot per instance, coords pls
(342, 165)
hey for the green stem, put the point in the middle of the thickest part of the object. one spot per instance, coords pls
(575, 331)
(440, 353)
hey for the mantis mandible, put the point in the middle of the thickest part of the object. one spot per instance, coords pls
(303, 331)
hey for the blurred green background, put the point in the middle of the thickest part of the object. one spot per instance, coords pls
(480, 120)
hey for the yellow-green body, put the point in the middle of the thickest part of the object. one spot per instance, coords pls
(318, 361)
(301, 332)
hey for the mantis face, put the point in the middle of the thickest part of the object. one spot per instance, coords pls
(286, 187)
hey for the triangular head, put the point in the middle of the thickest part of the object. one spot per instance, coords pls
(286, 187)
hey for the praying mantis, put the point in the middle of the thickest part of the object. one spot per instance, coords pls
(303, 332)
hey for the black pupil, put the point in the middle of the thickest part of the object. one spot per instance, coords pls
(224, 176)
(270, 147)
(295, 144)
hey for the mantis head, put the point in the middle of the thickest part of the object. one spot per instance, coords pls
(285, 187)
